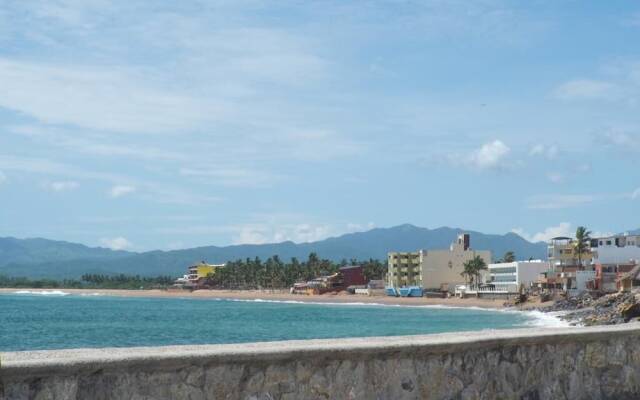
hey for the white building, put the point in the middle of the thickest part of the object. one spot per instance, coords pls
(613, 250)
(507, 277)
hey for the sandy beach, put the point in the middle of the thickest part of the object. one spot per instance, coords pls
(286, 296)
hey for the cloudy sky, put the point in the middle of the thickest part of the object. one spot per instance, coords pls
(142, 124)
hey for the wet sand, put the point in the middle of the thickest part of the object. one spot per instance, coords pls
(286, 296)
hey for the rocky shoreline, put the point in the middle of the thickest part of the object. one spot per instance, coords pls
(589, 309)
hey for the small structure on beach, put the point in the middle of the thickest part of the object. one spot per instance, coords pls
(353, 275)
(347, 276)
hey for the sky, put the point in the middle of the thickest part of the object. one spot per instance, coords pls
(145, 125)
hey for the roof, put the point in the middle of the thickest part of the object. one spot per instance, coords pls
(350, 267)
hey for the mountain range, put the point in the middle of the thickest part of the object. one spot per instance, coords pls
(42, 258)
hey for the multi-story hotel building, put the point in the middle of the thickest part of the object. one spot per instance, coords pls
(433, 269)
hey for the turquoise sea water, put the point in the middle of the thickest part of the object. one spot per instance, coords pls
(36, 321)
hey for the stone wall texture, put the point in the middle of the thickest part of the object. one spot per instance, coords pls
(537, 363)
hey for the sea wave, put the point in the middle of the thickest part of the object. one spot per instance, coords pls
(43, 292)
(546, 320)
(536, 318)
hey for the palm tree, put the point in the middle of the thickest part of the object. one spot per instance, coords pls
(473, 267)
(582, 242)
(509, 256)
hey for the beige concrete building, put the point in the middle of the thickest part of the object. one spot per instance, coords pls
(433, 269)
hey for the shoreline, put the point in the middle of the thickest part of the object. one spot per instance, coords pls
(256, 295)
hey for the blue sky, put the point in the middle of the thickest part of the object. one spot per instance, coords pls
(142, 125)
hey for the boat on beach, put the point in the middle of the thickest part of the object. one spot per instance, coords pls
(391, 291)
(410, 291)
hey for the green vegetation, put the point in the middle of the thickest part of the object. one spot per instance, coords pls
(509, 256)
(90, 281)
(582, 242)
(247, 274)
(275, 274)
(472, 269)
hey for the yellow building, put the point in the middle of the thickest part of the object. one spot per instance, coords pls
(404, 269)
(202, 270)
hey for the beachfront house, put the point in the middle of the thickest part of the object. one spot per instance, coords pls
(568, 271)
(510, 277)
(438, 270)
(613, 258)
(196, 275)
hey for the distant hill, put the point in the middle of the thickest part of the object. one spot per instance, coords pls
(72, 260)
(33, 251)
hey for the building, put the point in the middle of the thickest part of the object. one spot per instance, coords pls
(404, 269)
(508, 277)
(608, 276)
(561, 252)
(568, 270)
(613, 250)
(613, 258)
(629, 280)
(433, 269)
(353, 275)
(198, 272)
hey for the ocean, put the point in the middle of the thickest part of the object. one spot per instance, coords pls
(57, 320)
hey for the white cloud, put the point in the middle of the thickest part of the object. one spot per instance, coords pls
(99, 98)
(267, 233)
(62, 186)
(356, 227)
(562, 229)
(625, 140)
(586, 89)
(556, 177)
(3, 177)
(121, 190)
(94, 144)
(635, 194)
(558, 201)
(117, 243)
(226, 176)
(549, 152)
(490, 155)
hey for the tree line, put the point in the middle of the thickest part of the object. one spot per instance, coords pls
(273, 273)
(90, 281)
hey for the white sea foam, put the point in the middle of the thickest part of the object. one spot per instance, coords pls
(537, 318)
(43, 292)
(546, 320)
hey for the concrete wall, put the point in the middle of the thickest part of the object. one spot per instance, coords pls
(568, 363)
